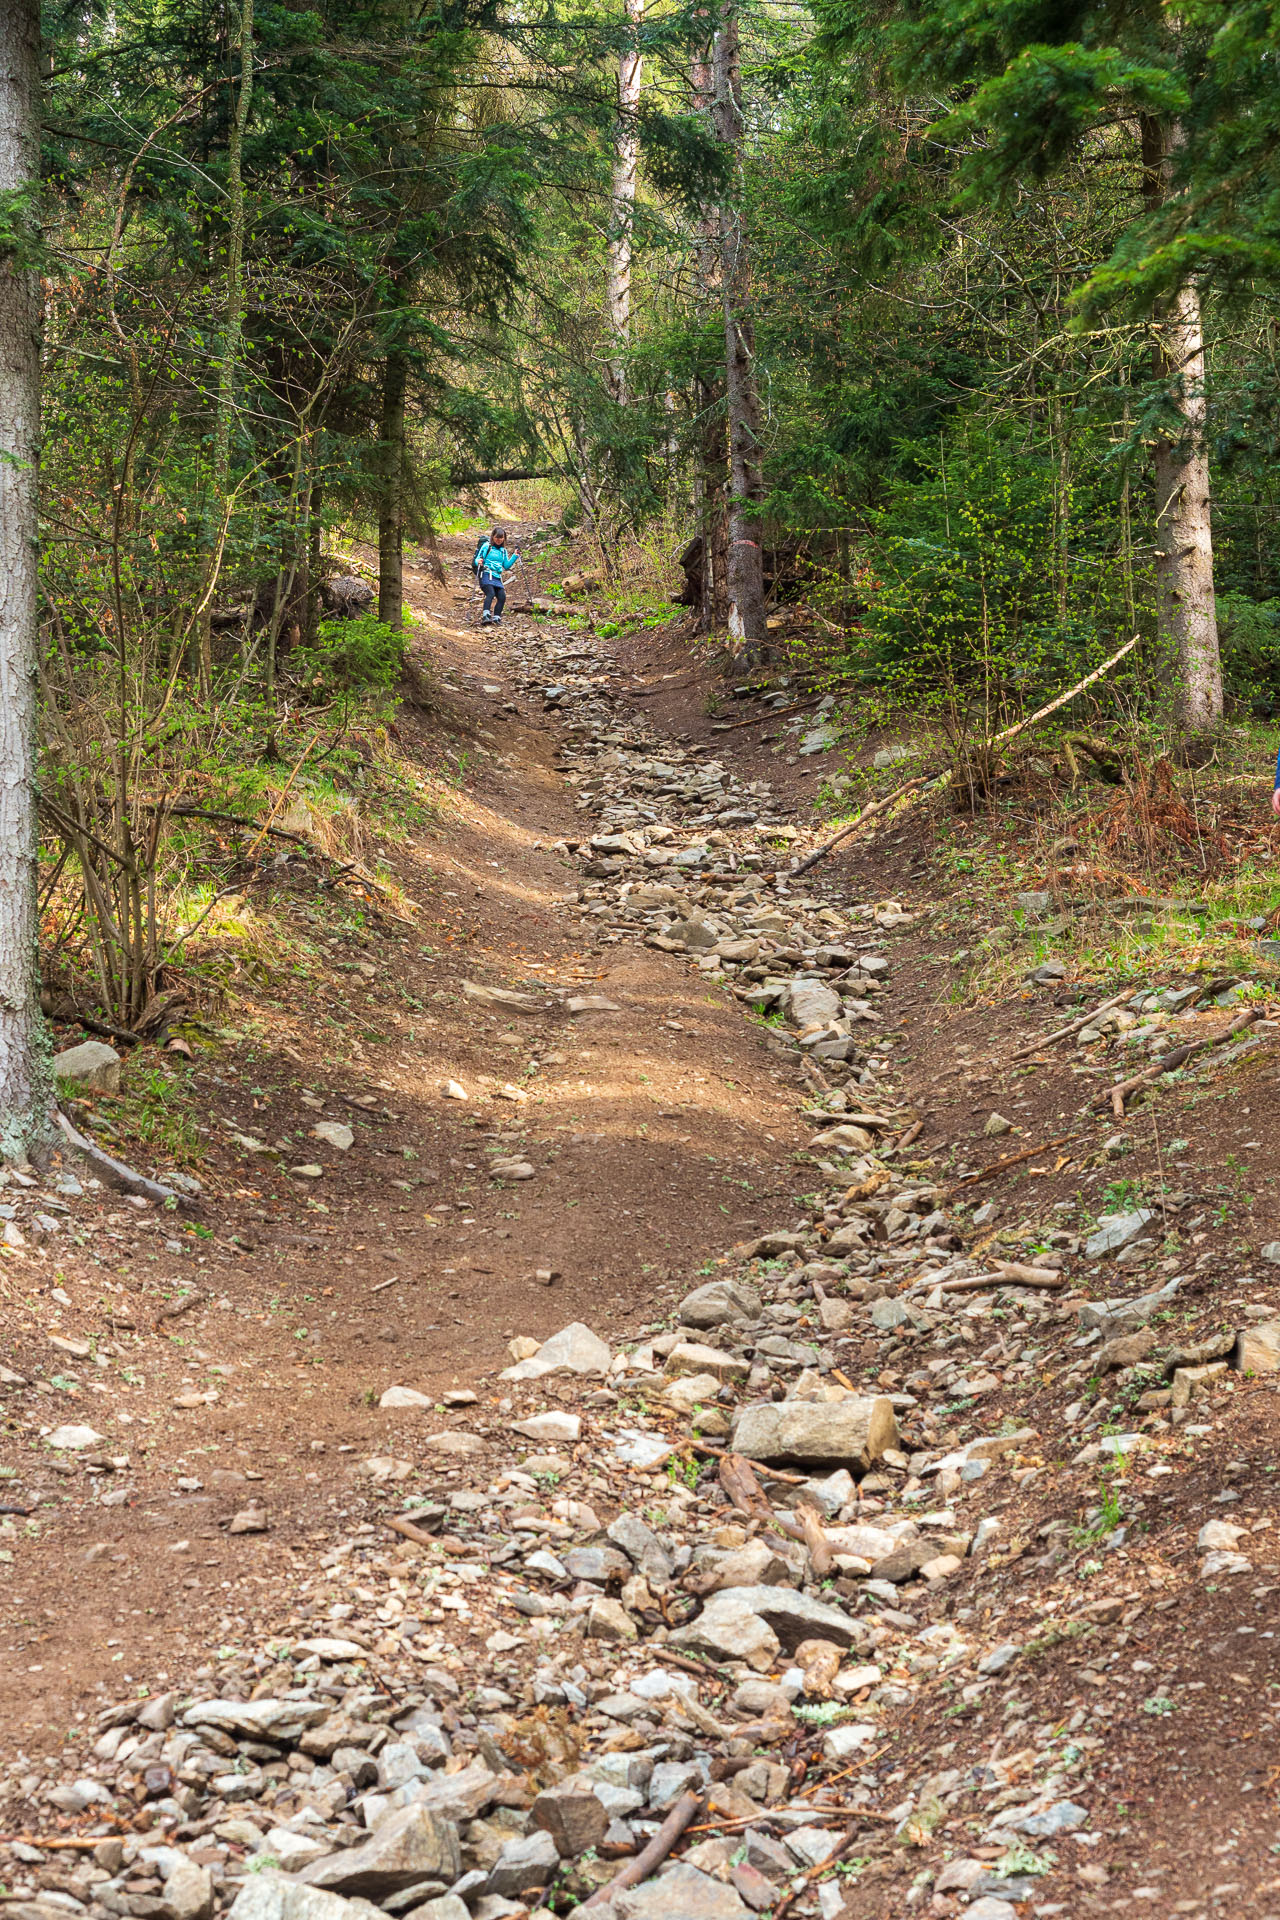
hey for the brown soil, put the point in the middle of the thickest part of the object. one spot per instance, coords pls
(661, 1134)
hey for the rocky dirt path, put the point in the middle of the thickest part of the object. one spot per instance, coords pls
(901, 1535)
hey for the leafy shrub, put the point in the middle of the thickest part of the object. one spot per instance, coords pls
(352, 656)
(1249, 636)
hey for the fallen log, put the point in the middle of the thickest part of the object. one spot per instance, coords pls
(1176, 1057)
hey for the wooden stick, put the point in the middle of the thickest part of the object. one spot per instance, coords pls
(1073, 1027)
(851, 826)
(1176, 1057)
(1010, 1275)
(398, 1524)
(687, 1807)
(1042, 713)
(998, 1166)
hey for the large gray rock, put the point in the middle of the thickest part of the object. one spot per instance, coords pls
(728, 1628)
(92, 1064)
(642, 1546)
(575, 1349)
(409, 1847)
(575, 1819)
(847, 1433)
(794, 1616)
(525, 1865)
(1117, 1230)
(282, 1720)
(719, 1304)
(681, 1893)
(810, 1004)
(1257, 1349)
(1113, 1317)
(270, 1896)
(459, 1796)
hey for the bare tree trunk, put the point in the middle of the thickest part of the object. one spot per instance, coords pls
(746, 482)
(25, 1084)
(622, 202)
(710, 470)
(391, 493)
(1186, 614)
(232, 323)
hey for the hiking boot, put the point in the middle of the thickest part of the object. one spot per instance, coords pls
(497, 620)
(486, 619)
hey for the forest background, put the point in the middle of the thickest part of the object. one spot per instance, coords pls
(944, 319)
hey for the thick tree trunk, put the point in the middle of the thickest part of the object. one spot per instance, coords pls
(1186, 614)
(25, 1085)
(622, 203)
(745, 568)
(391, 491)
(232, 331)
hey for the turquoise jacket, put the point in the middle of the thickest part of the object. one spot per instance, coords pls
(495, 561)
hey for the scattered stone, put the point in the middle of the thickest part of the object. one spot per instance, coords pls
(410, 1846)
(719, 1303)
(854, 1432)
(575, 1349)
(92, 1066)
(1117, 1230)
(405, 1397)
(334, 1134)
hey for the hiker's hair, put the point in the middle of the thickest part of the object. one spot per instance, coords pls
(498, 536)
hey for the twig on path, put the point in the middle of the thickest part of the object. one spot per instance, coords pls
(384, 1284)
(998, 1166)
(1072, 1026)
(687, 1807)
(851, 826)
(419, 1535)
(1010, 1274)
(1176, 1057)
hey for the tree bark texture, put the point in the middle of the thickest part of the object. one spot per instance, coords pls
(745, 567)
(622, 202)
(711, 466)
(391, 492)
(232, 326)
(1186, 613)
(25, 1084)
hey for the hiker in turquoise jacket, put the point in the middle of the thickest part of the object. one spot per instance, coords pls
(492, 564)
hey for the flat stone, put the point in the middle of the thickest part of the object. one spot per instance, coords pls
(334, 1134)
(691, 1357)
(1117, 1230)
(502, 997)
(1064, 1816)
(720, 1303)
(459, 1796)
(850, 1433)
(575, 1349)
(790, 1616)
(728, 1628)
(73, 1439)
(681, 1893)
(598, 1564)
(690, 1390)
(271, 1896)
(280, 1720)
(405, 1397)
(549, 1426)
(91, 1065)
(410, 1846)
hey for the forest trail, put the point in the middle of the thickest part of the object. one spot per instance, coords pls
(1031, 1589)
(661, 1133)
